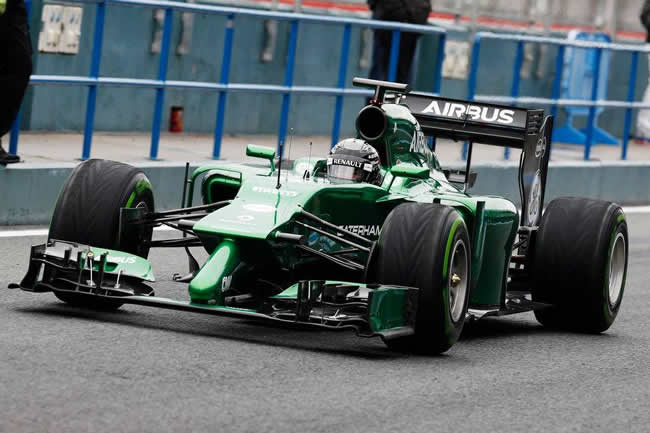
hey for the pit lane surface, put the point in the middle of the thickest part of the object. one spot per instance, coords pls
(145, 370)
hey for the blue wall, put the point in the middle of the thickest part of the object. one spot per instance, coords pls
(126, 53)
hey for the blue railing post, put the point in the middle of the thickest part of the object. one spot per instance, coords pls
(224, 79)
(98, 38)
(343, 68)
(15, 132)
(473, 71)
(516, 80)
(288, 82)
(160, 91)
(557, 79)
(630, 98)
(471, 81)
(592, 109)
(437, 80)
(394, 54)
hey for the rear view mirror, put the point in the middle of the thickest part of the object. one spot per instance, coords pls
(263, 152)
(410, 171)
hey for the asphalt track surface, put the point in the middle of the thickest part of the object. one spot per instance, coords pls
(145, 370)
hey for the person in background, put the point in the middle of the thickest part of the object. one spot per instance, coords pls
(15, 66)
(643, 119)
(407, 11)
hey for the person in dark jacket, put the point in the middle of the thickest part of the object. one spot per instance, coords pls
(407, 11)
(15, 66)
(643, 119)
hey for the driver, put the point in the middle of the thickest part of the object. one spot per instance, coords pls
(354, 160)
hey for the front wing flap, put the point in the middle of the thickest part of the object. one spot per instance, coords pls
(82, 268)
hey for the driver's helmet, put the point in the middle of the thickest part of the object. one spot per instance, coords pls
(354, 160)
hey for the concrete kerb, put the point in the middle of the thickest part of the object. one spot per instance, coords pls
(623, 182)
(28, 192)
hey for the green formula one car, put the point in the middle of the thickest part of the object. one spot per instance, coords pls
(375, 238)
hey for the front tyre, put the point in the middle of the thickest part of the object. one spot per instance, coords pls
(88, 212)
(580, 264)
(426, 246)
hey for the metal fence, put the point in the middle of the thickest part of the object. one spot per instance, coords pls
(224, 86)
(629, 105)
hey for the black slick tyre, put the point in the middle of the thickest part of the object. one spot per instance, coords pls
(580, 264)
(426, 246)
(88, 211)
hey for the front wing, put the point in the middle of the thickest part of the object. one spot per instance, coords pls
(369, 310)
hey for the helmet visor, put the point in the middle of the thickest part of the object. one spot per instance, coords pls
(345, 173)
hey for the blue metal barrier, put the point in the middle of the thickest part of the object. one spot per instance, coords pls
(577, 80)
(98, 37)
(555, 101)
(223, 87)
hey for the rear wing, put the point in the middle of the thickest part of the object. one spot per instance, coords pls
(498, 125)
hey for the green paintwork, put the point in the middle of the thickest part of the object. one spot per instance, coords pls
(129, 264)
(385, 312)
(263, 152)
(452, 233)
(207, 284)
(387, 308)
(410, 171)
(221, 307)
(403, 139)
(203, 170)
(500, 232)
(259, 209)
(218, 185)
(140, 186)
(129, 202)
(291, 292)
(478, 242)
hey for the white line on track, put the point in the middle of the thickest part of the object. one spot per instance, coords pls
(636, 209)
(43, 232)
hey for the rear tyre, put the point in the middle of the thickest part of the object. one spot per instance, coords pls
(426, 246)
(88, 211)
(580, 264)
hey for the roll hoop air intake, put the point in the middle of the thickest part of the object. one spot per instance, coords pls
(371, 123)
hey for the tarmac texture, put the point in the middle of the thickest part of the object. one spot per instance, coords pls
(65, 369)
